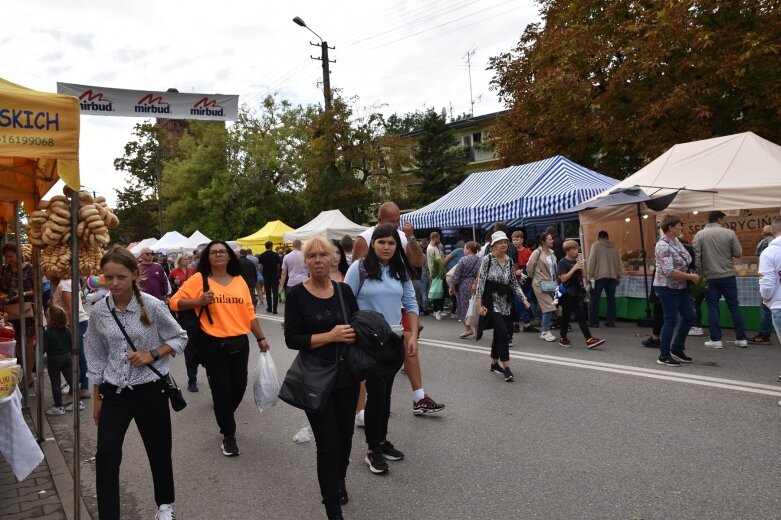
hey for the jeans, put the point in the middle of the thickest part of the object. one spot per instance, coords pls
(698, 309)
(727, 287)
(377, 412)
(55, 367)
(271, 287)
(609, 285)
(547, 318)
(532, 303)
(570, 303)
(333, 430)
(227, 374)
(499, 345)
(424, 285)
(83, 382)
(149, 408)
(678, 309)
(766, 321)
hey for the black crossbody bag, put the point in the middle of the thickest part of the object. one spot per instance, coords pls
(310, 379)
(169, 386)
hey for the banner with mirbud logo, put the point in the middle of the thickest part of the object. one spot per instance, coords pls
(102, 101)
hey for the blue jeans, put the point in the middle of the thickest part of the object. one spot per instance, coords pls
(766, 321)
(532, 303)
(609, 285)
(727, 287)
(678, 309)
(424, 285)
(547, 318)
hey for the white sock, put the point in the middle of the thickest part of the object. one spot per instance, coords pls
(418, 394)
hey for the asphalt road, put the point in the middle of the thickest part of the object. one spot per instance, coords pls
(601, 434)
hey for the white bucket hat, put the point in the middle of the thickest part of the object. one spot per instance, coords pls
(497, 236)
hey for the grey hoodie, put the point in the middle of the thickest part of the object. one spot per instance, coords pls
(604, 261)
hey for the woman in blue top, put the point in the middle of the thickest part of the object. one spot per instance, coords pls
(381, 282)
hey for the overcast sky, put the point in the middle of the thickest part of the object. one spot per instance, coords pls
(398, 55)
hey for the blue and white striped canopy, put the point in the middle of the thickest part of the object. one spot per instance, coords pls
(537, 189)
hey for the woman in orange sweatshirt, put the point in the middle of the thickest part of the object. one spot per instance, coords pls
(223, 345)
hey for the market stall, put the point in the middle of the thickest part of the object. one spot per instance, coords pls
(274, 230)
(39, 144)
(738, 174)
(331, 224)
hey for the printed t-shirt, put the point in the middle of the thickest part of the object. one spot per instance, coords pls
(231, 308)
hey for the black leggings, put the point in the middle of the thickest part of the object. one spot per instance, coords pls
(333, 429)
(503, 326)
(55, 367)
(227, 374)
(377, 412)
(149, 408)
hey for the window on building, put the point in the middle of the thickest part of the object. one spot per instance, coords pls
(477, 137)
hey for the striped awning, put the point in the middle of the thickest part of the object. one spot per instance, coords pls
(537, 189)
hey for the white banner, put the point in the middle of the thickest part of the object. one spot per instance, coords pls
(100, 101)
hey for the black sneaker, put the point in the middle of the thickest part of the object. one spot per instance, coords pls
(426, 405)
(229, 446)
(343, 498)
(376, 462)
(681, 356)
(669, 361)
(531, 328)
(650, 343)
(508, 375)
(192, 386)
(497, 369)
(389, 452)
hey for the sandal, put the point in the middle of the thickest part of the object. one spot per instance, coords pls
(466, 335)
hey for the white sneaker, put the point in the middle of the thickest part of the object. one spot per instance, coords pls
(56, 410)
(742, 343)
(69, 408)
(359, 419)
(695, 331)
(547, 336)
(165, 512)
(714, 344)
(438, 315)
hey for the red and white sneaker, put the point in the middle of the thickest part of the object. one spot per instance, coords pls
(426, 405)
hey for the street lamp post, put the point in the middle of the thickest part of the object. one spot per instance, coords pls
(323, 58)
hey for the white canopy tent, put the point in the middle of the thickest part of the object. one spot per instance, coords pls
(147, 242)
(171, 241)
(741, 171)
(331, 224)
(195, 240)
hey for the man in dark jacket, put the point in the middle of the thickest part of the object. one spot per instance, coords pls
(270, 264)
(250, 274)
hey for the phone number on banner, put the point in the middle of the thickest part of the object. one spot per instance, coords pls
(30, 141)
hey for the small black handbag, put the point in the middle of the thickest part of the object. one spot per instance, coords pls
(169, 386)
(310, 379)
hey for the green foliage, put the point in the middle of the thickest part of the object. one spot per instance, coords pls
(439, 159)
(613, 84)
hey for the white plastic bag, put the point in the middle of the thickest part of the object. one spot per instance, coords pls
(472, 316)
(266, 382)
(302, 435)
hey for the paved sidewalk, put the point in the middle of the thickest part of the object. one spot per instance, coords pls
(47, 493)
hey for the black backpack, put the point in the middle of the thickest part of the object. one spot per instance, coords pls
(377, 347)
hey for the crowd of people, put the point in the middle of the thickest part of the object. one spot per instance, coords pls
(203, 304)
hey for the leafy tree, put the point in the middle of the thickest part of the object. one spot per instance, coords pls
(614, 83)
(137, 202)
(439, 160)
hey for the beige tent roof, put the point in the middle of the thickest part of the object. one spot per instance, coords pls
(741, 171)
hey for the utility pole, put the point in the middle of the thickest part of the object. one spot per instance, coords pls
(468, 58)
(326, 71)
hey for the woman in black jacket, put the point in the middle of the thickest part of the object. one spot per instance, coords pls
(315, 322)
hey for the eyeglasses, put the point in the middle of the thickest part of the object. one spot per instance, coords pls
(218, 252)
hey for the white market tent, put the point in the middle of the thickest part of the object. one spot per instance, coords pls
(513, 195)
(147, 242)
(195, 240)
(171, 241)
(740, 171)
(332, 224)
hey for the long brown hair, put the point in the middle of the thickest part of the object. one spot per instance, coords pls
(120, 255)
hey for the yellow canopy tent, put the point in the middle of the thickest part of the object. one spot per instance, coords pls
(273, 231)
(39, 143)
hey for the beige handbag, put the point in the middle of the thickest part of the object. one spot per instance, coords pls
(15, 313)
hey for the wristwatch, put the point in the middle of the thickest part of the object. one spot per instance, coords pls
(155, 355)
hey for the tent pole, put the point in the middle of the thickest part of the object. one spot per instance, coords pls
(75, 386)
(645, 267)
(37, 317)
(22, 339)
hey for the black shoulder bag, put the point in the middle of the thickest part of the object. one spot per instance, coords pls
(310, 379)
(169, 386)
(190, 321)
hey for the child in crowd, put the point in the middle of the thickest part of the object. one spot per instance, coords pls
(57, 346)
(571, 276)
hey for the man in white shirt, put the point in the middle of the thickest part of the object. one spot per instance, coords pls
(389, 213)
(293, 268)
(770, 277)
